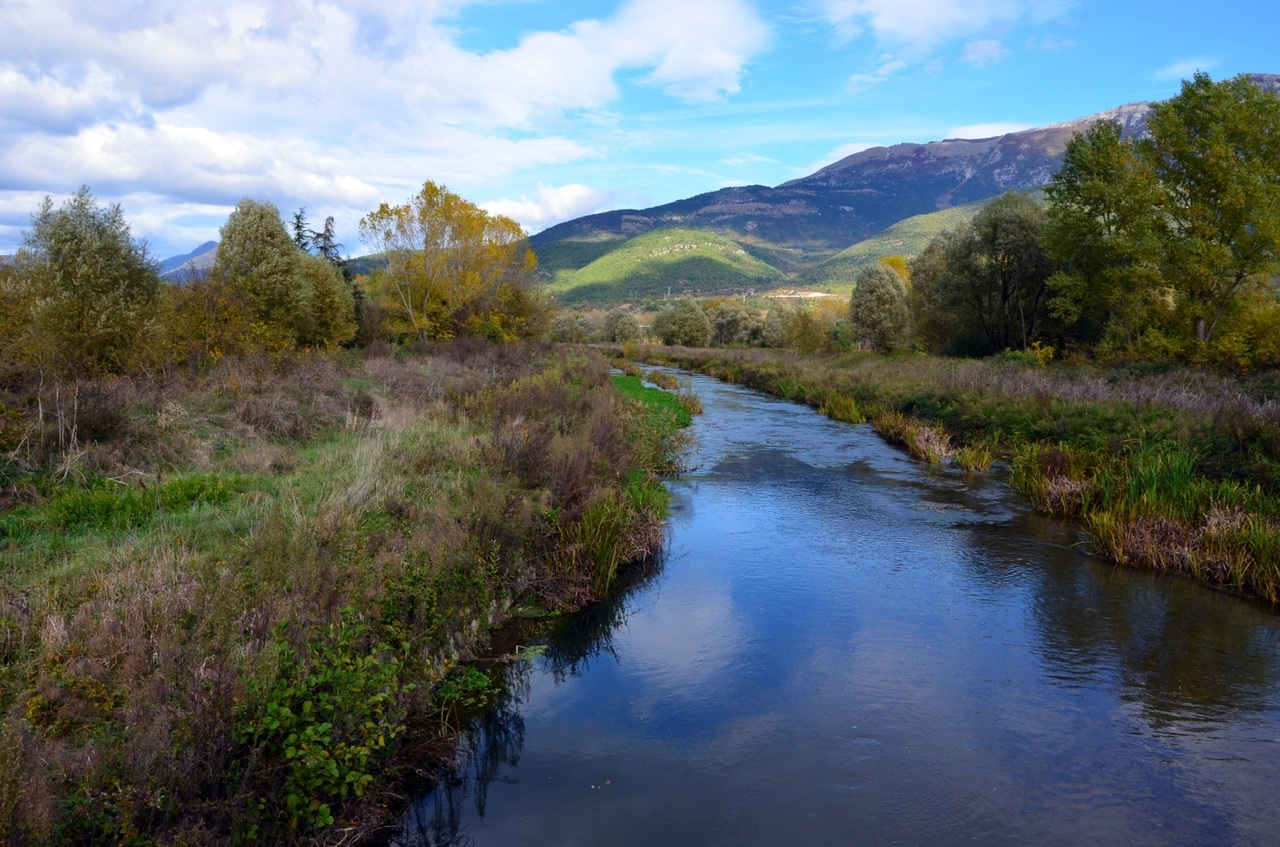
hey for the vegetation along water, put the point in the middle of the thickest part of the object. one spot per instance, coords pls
(845, 645)
(255, 519)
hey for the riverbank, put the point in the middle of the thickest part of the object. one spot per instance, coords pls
(231, 602)
(1174, 470)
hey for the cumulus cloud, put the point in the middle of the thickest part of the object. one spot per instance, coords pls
(340, 103)
(983, 52)
(552, 205)
(1184, 69)
(888, 67)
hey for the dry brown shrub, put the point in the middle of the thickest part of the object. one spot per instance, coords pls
(1062, 495)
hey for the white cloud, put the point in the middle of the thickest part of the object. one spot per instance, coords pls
(888, 67)
(332, 103)
(1184, 69)
(1050, 44)
(990, 130)
(983, 52)
(747, 159)
(919, 26)
(553, 205)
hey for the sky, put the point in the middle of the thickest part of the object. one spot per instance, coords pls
(545, 110)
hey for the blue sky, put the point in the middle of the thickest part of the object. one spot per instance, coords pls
(545, 110)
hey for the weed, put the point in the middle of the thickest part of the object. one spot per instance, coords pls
(319, 727)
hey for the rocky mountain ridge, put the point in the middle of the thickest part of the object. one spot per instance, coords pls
(802, 222)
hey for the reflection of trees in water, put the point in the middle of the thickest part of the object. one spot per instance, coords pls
(1177, 650)
(580, 637)
(495, 739)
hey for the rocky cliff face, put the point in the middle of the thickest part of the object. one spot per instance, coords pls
(806, 220)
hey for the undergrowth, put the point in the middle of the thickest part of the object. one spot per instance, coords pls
(235, 610)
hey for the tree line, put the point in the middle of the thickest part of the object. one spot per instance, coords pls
(1162, 247)
(83, 297)
(1165, 247)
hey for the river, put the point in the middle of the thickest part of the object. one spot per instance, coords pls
(845, 646)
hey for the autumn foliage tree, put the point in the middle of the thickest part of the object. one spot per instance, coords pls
(453, 269)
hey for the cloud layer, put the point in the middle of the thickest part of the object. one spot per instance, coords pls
(331, 104)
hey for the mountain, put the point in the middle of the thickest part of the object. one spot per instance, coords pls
(676, 261)
(197, 263)
(905, 238)
(799, 225)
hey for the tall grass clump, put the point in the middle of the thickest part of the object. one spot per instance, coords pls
(975, 458)
(923, 441)
(841, 407)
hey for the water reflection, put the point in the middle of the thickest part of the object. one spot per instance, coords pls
(494, 741)
(845, 646)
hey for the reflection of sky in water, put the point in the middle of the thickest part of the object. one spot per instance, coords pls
(848, 647)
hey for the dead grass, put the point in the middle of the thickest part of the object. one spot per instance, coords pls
(421, 495)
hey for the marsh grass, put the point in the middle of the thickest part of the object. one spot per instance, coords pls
(975, 458)
(662, 379)
(840, 407)
(341, 534)
(924, 441)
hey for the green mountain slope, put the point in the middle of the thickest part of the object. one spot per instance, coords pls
(905, 238)
(682, 261)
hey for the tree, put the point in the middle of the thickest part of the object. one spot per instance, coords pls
(452, 268)
(332, 314)
(89, 287)
(296, 298)
(878, 312)
(934, 298)
(621, 325)
(301, 235)
(985, 283)
(1104, 225)
(1215, 149)
(684, 324)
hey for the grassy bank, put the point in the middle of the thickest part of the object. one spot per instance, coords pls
(1173, 470)
(232, 604)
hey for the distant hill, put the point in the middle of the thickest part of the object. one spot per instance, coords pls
(196, 263)
(905, 238)
(802, 225)
(678, 261)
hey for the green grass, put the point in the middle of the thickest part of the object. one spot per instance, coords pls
(655, 398)
(681, 261)
(906, 238)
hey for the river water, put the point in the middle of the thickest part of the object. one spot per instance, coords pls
(845, 646)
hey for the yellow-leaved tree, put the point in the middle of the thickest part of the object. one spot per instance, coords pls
(453, 269)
